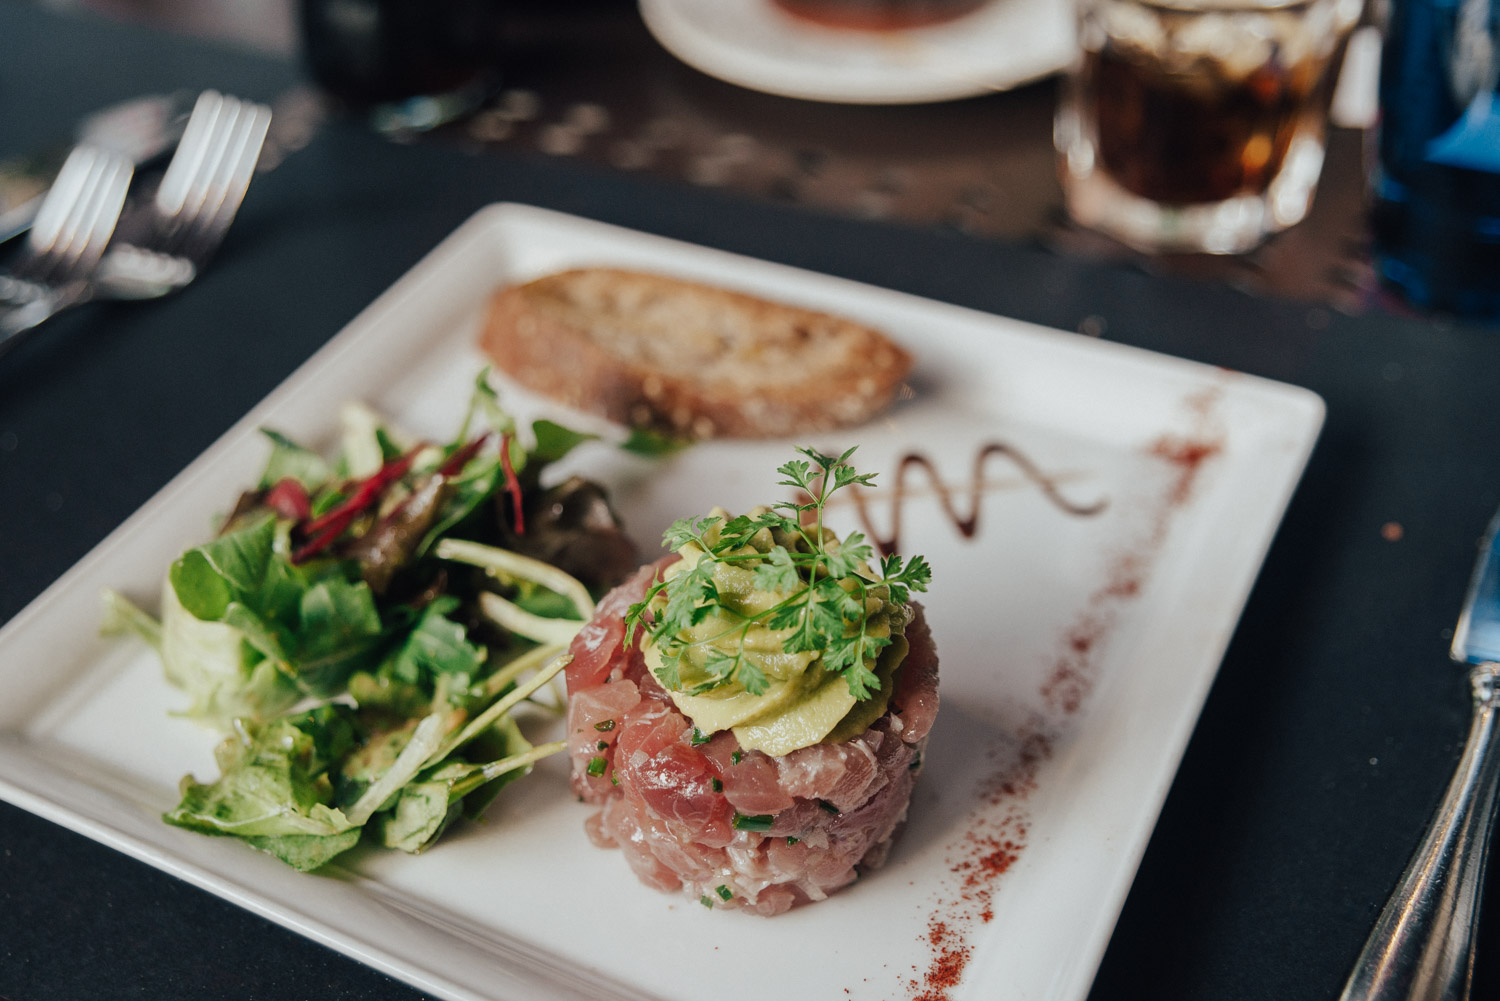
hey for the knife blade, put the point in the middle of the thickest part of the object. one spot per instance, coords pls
(1422, 946)
(1476, 639)
(142, 129)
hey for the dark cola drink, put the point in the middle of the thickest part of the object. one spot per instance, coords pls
(1199, 126)
(1198, 137)
(879, 15)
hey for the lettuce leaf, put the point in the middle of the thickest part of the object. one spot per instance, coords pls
(436, 646)
(453, 787)
(274, 788)
(225, 676)
(289, 460)
(236, 614)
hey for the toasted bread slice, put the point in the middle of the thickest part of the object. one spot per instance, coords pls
(689, 360)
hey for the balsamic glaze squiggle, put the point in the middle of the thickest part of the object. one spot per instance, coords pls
(967, 525)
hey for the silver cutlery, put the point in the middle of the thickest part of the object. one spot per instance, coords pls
(193, 205)
(67, 239)
(144, 129)
(1422, 947)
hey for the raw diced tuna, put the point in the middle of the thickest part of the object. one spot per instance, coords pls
(670, 804)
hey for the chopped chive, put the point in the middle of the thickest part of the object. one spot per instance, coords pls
(605, 726)
(596, 766)
(699, 738)
(754, 822)
(724, 892)
(734, 758)
(602, 744)
(614, 778)
(717, 785)
(706, 902)
(791, 840)
(828, 807)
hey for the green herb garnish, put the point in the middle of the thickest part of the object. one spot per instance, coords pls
(605, 726)
(724, 892)
(753, 822)
(597, 766)
(716, 784)
(828, 585)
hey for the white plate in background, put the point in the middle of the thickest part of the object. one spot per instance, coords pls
(1076, 653)
(754, 44)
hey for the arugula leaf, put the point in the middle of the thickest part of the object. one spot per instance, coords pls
(435, 646)
(208, 577)
(553, 441)
(340, 632)
(653, 444)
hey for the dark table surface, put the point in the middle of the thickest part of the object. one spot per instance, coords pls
(1326, 741)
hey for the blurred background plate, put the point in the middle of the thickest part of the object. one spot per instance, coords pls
(755, 44)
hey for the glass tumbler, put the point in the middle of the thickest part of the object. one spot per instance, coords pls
(1198, 125)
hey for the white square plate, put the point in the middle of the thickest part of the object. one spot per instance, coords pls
(1077, 650)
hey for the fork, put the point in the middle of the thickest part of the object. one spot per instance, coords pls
(73, 225)
(197, 199)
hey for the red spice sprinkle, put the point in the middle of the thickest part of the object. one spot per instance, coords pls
(1188, 454)
(998, 834)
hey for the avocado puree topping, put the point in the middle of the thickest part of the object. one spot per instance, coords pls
(778, 695)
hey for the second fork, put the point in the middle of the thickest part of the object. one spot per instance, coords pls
(193, 205)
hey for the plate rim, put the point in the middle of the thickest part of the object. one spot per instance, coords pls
(724, 58)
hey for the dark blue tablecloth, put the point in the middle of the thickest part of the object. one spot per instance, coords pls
(1280, 838)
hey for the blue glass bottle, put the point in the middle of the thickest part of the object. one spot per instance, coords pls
(1437, 189)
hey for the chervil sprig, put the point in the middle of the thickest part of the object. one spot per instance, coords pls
(828, 585)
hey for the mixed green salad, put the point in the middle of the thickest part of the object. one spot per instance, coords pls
(362, 629)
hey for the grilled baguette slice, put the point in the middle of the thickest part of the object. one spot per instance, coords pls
(689, 360)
